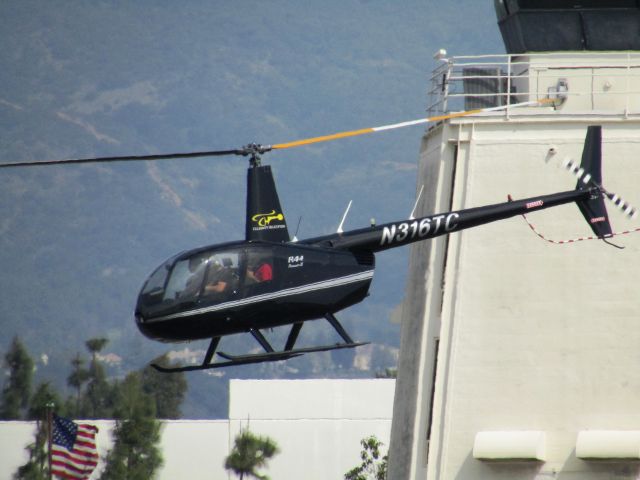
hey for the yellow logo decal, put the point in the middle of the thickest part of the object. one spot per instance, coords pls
(264, 219)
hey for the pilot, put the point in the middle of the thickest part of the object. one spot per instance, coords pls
(219, 279)
(193, 283)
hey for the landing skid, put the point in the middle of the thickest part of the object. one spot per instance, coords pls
(292, 353)
(269, 354)
(233, 360)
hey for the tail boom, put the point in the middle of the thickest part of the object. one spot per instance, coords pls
(397, 234)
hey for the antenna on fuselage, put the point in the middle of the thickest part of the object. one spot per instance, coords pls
(295, 235)
(415, 205)
(344, 217)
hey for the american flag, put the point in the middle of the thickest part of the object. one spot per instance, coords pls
(73, 450)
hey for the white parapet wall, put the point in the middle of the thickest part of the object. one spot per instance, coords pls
(317, 424)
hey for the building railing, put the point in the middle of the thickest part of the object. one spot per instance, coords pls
(588, 81)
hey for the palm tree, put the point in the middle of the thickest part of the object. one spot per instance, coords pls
(250, 452)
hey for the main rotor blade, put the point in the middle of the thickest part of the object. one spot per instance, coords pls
(129, 158)
(255, 149)
(362, 131)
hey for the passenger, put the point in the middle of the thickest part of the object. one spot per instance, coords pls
(262, 272)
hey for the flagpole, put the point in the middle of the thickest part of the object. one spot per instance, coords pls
(49, 407)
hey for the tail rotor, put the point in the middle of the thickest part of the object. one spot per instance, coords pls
(589, 175)
(589, 172)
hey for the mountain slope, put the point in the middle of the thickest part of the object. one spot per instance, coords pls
(83, 79)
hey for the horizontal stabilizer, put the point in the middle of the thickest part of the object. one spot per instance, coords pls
(595, 213)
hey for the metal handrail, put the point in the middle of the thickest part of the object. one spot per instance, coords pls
(460, 82)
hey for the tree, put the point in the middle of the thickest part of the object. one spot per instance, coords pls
(373, 467)
(98, 397)
(76, 379)
(95, 345)
(135, 454)
(43, 399)
(17, 388)
(387, 373)
(250, 452)
(168, 391)
(36, 467)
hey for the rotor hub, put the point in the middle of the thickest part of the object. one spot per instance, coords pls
(253, 151)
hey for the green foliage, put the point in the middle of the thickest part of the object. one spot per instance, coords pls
(45, 396)
(94, 394)
(95, 345)
(135, 403)
(17, 388)
(99, 395)
(250, 452)
(387, 373)
(36, 468)
(76, 379)
(135, 454)
(168, 390)
(373, 466)
(43, 400)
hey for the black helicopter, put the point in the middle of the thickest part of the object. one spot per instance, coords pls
(223, 289)
(269, 280)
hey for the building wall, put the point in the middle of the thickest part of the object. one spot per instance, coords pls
(532, 336)
(318, 425)
(420, 320)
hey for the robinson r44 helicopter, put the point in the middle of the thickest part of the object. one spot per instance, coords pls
(267, 280)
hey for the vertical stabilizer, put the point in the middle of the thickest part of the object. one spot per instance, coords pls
(589, 175)
(265, 219)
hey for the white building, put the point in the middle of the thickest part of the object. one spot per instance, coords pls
(317, 424)
(520, 358)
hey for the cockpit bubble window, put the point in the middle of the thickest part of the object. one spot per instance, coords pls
(200, 279)
(186, 279)
(153, 291)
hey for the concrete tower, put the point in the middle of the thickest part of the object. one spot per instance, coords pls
(520, 358)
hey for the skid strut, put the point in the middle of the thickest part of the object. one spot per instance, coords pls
(269, 354)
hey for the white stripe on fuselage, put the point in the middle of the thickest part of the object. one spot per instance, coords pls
(287, 292)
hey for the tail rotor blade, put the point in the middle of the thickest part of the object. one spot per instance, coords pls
(624, 206)
(589, 172)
